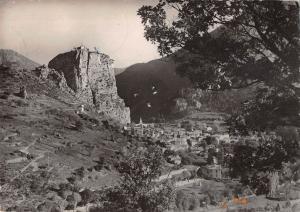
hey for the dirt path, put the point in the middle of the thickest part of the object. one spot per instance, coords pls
(16, 160)
(25, 149)
(34, 163)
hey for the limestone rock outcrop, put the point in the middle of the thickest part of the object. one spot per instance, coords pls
(45, 73)
(91, 76)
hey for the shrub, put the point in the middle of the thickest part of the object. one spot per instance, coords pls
(89, 118)
(79, 125)
(137, 190)
(100, 163)
(4, 96)
(20, 102)
(188, 158)
(31, 183)
(3, 173)
(179, 199)
(252, 163)
(87, 196)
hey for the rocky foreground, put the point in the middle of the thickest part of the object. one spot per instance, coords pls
(51, 147)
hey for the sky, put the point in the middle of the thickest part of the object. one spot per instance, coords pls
(41, 29)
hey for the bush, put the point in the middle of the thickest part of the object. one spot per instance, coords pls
(20, 102)
(137, 190)
(186, 201)
(89, 118)
(253, 163)
(29, 184)
(87, 196)
(78, 125)
(100, 163)
(188, 158)
(4, 96)
(4, 178)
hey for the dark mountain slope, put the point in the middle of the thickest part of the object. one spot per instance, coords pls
(148, 88)
(135, 86)
(15, 60)
(154, 89)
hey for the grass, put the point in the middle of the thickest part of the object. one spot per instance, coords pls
(43, 117)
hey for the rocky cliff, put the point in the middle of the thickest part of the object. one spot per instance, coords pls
(91, 76)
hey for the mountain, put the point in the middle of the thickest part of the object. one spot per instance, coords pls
(48, 144)
(119, 70)
(13, 59)
(149, 88)
(155, 90)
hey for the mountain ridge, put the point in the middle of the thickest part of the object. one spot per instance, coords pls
(11, 58)
(135, 86)
(146, 87)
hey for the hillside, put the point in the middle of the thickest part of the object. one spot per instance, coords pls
(48, 145)
(13, 59)
(154, 89)
(119, 70)
(147, 88)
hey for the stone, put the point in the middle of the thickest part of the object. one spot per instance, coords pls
(90, 75)
(46, 73)
(22, 93)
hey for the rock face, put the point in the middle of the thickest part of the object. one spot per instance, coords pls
(45, 73)
(91, 76)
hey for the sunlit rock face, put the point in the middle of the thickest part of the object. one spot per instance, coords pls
(91, 76)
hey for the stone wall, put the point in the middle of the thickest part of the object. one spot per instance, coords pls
(91, 76)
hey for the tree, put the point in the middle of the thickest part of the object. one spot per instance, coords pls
(269, 109)
(254, 163)
(137, 189)
(233, 44)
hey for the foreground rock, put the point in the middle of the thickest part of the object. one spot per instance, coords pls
(91, 76)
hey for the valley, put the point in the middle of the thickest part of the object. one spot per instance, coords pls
(198, 151)
(53, 150)
(149, 106)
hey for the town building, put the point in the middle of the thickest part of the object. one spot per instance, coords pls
(212, 171)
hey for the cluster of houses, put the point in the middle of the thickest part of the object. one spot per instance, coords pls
(176, 138)
(211, 147)
(179, 138)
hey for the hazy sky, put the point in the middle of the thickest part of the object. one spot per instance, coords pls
(41, 29)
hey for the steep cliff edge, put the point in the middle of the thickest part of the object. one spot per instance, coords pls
(91, 76)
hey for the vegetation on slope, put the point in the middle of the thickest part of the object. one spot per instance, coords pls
(11, 58)
(259, 43)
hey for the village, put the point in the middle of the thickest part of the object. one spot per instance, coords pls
(149, 106)
(199, 155)
(177, 139)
